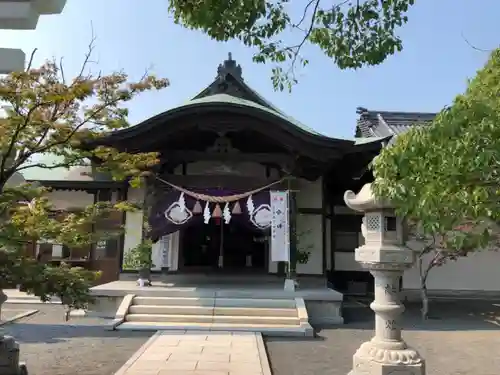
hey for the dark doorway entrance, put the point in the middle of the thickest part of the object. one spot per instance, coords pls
(242, 248)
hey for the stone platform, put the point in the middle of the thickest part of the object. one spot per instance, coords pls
(198, 353)
(324, 305)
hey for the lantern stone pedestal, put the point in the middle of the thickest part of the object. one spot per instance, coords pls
(384, 255)
(9, 357)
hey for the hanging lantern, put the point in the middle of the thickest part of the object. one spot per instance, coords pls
(197, 209)
(237, 208)
(217, 213)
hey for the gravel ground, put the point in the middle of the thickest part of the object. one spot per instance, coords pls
(469, 332)
(460, 342)
(51, 346)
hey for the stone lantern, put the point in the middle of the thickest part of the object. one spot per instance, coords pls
(384, 255)
(9, 348)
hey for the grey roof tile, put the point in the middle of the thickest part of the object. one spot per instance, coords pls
(382, 123)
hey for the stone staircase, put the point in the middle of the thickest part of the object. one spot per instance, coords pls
(270, 316)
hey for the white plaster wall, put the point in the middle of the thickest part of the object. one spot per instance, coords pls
(309, 227)
(478, 271)
(272, 266)
(157, 256)
(328, 244)
(346, 262)
(174, 254)
(133, 221)
(66, 200)
(310, 194)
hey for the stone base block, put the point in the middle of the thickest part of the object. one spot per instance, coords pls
(104, 306)
(325, 313)
(373, 360)
(9, 357)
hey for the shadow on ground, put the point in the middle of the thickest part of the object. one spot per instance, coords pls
(464, 315)
(445, 315)
(462, 339)
(57, 333)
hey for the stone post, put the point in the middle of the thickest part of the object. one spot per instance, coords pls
(384, 255)
(9, 357)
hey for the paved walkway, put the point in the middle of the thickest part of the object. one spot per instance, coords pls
(200, 353)
(16, 296)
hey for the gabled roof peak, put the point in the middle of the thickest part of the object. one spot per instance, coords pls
(229, 66)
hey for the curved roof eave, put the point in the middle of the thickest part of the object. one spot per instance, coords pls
(233, 105)
(370, 144)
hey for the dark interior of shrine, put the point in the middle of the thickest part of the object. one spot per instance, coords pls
(242, 249)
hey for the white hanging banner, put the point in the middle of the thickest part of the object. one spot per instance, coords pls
(280, 227)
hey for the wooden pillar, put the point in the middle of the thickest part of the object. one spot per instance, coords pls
(106, 255)
(292, 211)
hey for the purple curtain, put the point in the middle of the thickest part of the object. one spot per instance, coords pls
(166, 205)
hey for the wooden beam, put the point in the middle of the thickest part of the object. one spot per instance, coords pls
(311, 211)
(244, 183)
(190, 156)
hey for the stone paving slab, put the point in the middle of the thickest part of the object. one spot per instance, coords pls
(200, 353)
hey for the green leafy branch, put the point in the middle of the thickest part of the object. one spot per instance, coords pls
(352, 33)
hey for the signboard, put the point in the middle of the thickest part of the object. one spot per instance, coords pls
(280, 227)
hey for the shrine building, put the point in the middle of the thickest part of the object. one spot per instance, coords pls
(221, 154)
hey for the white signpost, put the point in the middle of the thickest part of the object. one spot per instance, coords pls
(280, 227)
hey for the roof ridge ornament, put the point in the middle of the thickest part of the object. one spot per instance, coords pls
(229, 66)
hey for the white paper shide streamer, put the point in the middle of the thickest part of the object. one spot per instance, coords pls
(206, 213)
(226, 213)
(182, 202)
(250, 205)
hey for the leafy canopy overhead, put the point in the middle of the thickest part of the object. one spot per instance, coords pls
(351, 33)
(44, 112)
(446, 176)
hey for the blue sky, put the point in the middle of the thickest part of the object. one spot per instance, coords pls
(431, 70)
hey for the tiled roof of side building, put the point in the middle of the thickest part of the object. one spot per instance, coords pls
(384, 123)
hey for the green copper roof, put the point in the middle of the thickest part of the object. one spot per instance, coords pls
(229, 99)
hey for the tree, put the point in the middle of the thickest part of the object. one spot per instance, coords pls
(445, 177)
(352, 33)
(46, 113)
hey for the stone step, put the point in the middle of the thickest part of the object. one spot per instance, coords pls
(277, 320)
(265, 329)
(203, 310)
(171, 310)
(177, 318)
(173, 301)
(256, 303)
(255, 311)
(169, 318)
(217, 302)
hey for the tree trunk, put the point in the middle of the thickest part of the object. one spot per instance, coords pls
(424, 295)
(425, 301)
(3, 298)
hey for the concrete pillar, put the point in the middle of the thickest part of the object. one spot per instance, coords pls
(384, 255)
